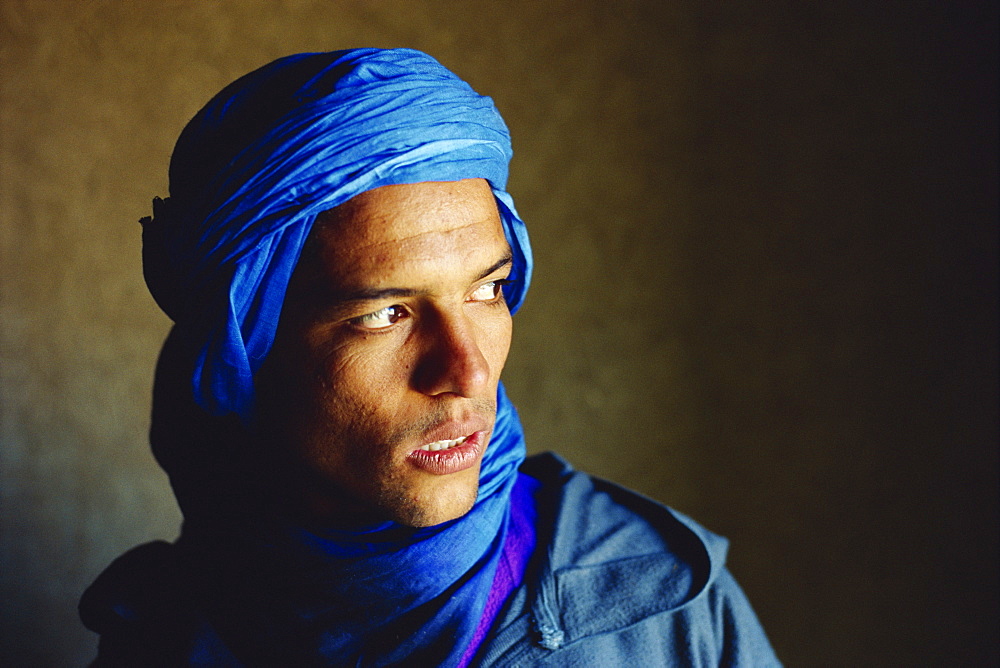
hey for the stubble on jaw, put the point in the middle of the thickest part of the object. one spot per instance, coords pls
(311, 497)
(412, 512)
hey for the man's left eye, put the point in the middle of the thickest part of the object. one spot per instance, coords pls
(487, 292)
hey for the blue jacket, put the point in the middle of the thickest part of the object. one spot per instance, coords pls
(617, 580)
(625, 582)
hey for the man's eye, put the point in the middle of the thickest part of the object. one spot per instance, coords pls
(488, 292)
(380, 319)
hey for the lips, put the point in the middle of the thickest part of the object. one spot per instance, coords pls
(450, 455)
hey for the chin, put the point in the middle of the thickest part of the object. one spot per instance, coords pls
(429, 508)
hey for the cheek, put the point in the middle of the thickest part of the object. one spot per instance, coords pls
(359, 385)
(350, 412)
(495, 341)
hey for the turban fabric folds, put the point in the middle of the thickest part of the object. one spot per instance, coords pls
(248, 177)
(252, 170)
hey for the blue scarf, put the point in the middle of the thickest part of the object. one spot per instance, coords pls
(248, 177)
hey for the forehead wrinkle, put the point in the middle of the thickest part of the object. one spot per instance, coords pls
(377, 254)
(407, 237)
(424, 240)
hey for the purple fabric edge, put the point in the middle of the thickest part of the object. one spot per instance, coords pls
(517, 550)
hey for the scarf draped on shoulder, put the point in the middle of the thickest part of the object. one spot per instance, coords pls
(248, 177)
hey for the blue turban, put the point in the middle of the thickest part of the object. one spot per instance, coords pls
(248, 177)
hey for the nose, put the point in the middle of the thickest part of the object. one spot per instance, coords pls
(453, 361)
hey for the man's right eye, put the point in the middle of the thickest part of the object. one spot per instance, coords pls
(380, 319)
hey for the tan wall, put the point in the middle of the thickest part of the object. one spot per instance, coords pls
(765, 291)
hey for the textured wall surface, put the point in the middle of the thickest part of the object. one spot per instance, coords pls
(766, 285)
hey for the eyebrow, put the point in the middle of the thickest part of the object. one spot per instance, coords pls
(375, 294)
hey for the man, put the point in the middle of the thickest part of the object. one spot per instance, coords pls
(341, 262)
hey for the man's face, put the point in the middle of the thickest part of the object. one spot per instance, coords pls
(380, 390)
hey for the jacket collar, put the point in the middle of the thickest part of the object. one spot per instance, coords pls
(612, 550)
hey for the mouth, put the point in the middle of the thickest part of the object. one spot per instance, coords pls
(446, 456)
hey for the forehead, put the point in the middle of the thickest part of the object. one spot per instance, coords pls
(428, 228)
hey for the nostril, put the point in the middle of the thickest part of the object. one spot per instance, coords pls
(454, 364)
